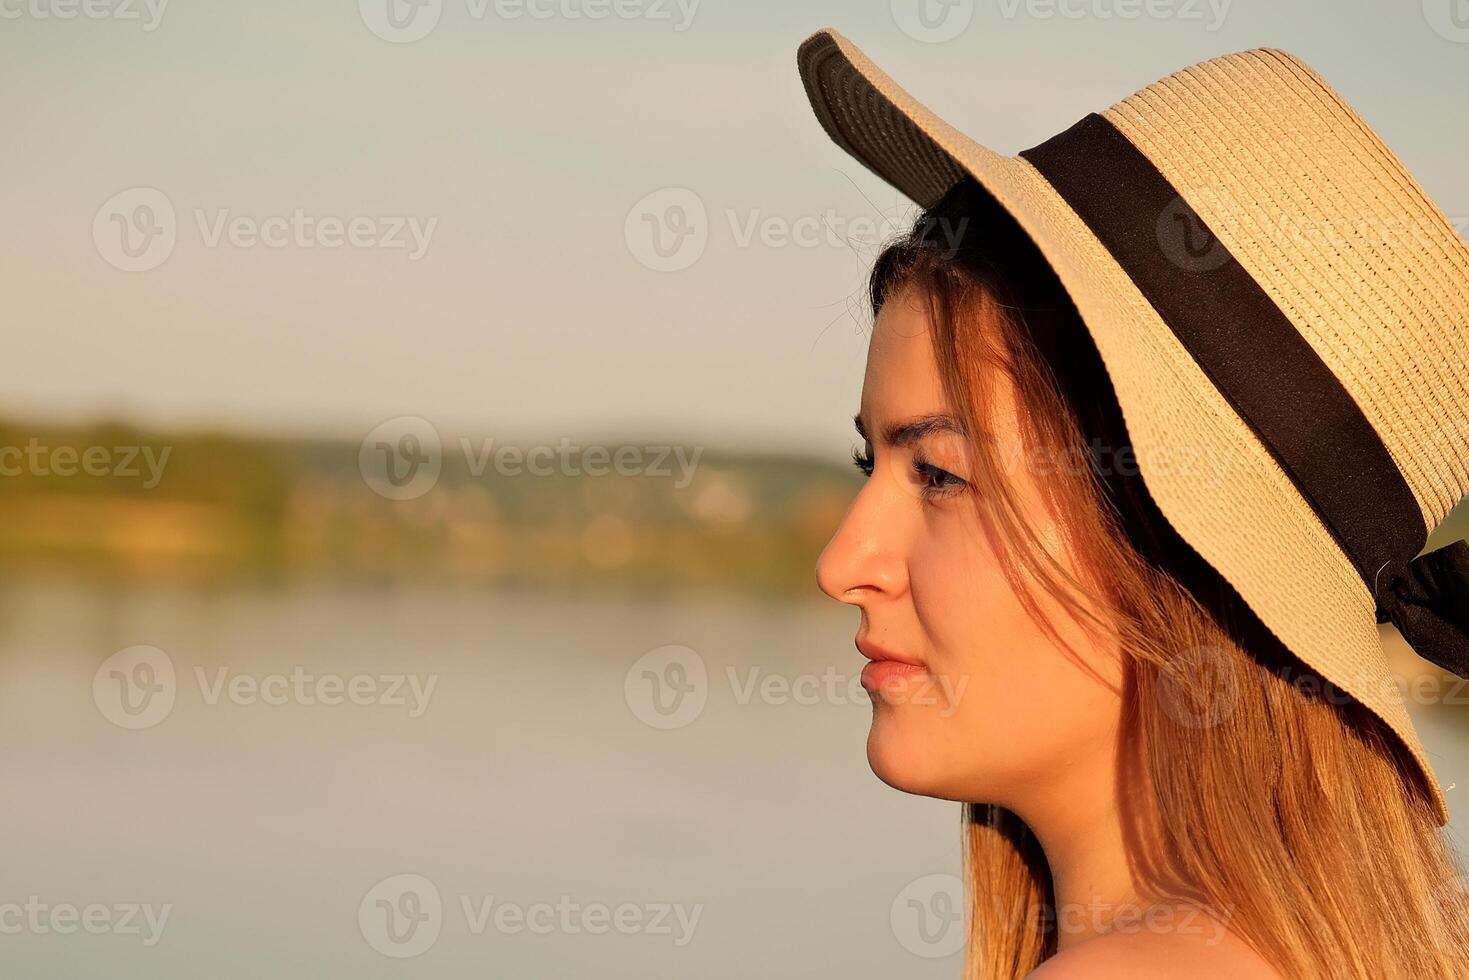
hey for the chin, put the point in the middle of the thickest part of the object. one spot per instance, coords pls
(914, 752)
(900, 752)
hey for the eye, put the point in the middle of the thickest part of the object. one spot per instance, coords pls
(935, 482)
(862, 459)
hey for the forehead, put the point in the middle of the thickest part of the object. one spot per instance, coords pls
(902, 379)
(902, 376)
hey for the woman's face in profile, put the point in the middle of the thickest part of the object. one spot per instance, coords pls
(971, 700)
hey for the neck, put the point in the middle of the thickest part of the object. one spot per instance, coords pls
(1076, 821)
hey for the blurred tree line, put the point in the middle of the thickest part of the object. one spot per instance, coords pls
(112, 499)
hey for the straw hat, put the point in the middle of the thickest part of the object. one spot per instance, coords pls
(1272, 292)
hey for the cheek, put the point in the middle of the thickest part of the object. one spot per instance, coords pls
(1015, 705)
(981, 644)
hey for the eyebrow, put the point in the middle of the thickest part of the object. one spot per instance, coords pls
(907, 433)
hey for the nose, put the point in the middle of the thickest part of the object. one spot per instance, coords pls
(866, 556)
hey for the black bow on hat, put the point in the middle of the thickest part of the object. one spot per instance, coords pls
(1427, 599)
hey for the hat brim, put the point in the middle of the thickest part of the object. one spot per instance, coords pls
(1209, 474)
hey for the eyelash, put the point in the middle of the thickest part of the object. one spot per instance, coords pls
(937, 483)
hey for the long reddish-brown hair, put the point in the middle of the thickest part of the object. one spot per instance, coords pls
(1249, 786)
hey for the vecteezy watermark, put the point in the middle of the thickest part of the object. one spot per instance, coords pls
(389, 232)
(1364, 230)
(1204, 466)
(1104, 459)
(1431, 687)
(406, 21)
(403, 916)
(146, 13)
(401, 21)
(137, 229)
(669, 687)
(669, 229)
(1096, 915)
(402, 459)
(112, 462)
(302, 687)
(1131, 918)
(1448, 18)
(1190, 225)
(1211, 13)
(566, 458)
(137, 688)
(927, 916)
(1187, 241)
(1200, 689)
(932, 21)
(936, 21)
(41, 918)
(1203, 689)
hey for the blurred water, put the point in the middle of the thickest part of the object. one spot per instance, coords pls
(530, 781)
(528, 778)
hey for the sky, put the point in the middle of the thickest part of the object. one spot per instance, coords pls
(308, 217)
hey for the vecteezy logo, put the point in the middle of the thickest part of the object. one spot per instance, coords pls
(401, 916)
(401, 21)
(1202, 691)
(135, 230)
(136, 687)
(401, 458)
(1448, 18)
(668, 230)
(928, 916)
(932, 21)
(1187, 241)
(667, 687)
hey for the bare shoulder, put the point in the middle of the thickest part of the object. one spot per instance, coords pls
(1214, 954)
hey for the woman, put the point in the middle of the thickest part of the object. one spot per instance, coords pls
(1141, 469)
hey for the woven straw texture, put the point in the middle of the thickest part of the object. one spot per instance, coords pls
(1340, 237)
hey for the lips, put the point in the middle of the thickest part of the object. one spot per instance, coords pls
(886, 666)
(874, 652)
